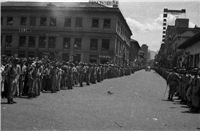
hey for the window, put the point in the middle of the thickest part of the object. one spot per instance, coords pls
(21, 53)
(52, 22)
(9, 20)
(93, 59)
(68, 22)
(43, 21)
(164, 15)
(104, 61)
(77, 58)
(41, 55)
(42, 42)
(32, 21)
(52, 42)
(66, 43)
(31, 42)
(95, 23)
(8, 41)
(1, 20)
(22, 41)
(65, 56)
(106, 23)
(93, 44)
(8, 53)
(79, 22)
(77, 43)
(23, 21)
(1, 40)
(51, 56)
(31, 54)
(105, 44)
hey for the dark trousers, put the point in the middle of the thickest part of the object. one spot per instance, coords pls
(10, 88)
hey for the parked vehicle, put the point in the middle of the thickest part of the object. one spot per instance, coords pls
(148, 68)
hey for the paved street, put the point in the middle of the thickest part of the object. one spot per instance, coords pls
(136, 104)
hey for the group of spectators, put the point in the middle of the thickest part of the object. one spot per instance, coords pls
(185, 84)
(21, 77)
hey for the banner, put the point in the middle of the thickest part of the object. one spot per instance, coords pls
(108, 3)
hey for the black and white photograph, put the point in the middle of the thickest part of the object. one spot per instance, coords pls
(100, 65)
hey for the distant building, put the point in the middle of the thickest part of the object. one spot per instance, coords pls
(134, 49)
(144, 48)
(143, 54)
(152, 55)
(73, 31)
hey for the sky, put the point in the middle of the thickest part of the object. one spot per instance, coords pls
(145, 17)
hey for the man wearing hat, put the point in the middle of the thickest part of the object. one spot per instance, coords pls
(173, 81)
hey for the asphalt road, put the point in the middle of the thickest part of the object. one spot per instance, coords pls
(134, 103)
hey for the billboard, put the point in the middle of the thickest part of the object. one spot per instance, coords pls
(108, 3)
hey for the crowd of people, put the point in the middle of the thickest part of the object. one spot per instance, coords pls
(21, 77)
(185, 84)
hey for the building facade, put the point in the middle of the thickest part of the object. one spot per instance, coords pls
(191, 52)
(169, 55)
(74, 31)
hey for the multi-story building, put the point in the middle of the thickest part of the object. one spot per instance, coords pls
(175, 36)
(70, 31)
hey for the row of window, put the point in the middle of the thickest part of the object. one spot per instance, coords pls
(65, 56)
(51, 55)
(53, 22)
(52, 42)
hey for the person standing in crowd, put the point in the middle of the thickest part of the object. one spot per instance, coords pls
(2, 79)
(31, 81)
(18, 69)
(184, 85)
(81, 73)
(40, 79)
(12, 77)
(189, 89)
(70, 76)
(93, 74)
(194, 92)
(173, 81)
(22, 77)
(88, 73)
(98, 73)
(198, 89)
(53, 75)
(59, 72)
